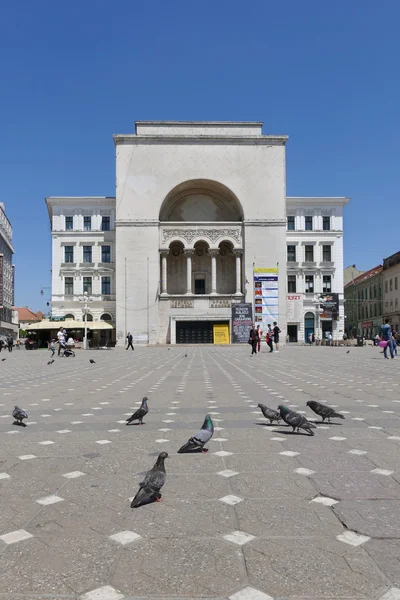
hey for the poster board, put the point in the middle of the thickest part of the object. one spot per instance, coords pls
(266, 297)
(221, 334)
(242, 320)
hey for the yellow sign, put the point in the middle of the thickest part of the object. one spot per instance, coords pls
(221, 334)
(273, 270)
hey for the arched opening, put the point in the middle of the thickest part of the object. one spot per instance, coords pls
(69, 316)
(201, 269)
(89, 317)
(176, 269)
(201, 200)
(226, 269)
(309, 326)
(106, 317)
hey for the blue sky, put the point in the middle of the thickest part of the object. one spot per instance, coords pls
(72, 74)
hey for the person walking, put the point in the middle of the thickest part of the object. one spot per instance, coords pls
(18, 344)
(10, 343)
(394, 341)
(52, 347)
(129, 337)
(253, 340)
(276, 331)
(268, 339)
(259, 333)
(60, 339)
(386, 333)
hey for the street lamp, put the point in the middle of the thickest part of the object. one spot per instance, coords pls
(318, 311)
(86, 299)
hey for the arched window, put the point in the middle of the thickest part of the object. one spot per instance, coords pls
(106, 317)
(69, 316)
(89, 317)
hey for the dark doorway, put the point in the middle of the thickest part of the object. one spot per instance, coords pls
(199, 286)
(292, 333)
(194, 332)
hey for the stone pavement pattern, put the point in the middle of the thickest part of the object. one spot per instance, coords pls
(264, 514)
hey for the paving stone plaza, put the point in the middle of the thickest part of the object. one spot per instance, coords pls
(264, 514)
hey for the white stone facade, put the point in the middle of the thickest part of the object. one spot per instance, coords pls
(83, 256)
(391, 290)
(198, 207)
(8, 325)
(314, 263)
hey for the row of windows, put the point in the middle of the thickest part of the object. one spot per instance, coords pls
(87, 285)
(309, 253)
(87, 223)
(390, 286)
(87, 254)
(309, 223)
(309, 284)
(369, 293)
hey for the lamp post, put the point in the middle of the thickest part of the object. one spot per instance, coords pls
(318, 311)
(86, 299)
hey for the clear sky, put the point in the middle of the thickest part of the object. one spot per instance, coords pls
(73, 73)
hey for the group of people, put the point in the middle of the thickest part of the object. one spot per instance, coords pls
(271, 337)
(9, 344)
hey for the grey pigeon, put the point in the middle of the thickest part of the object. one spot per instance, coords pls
(92, 361)
(295, 420)
(323, 411)
(3, 359)
(348, 352)
(139, 413)
(149, 488)
(19, 415)
(198, 441)
(50, 362)
(269, 413)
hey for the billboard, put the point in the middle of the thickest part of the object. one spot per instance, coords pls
(242, 320)
(329, 304)
(266, 299)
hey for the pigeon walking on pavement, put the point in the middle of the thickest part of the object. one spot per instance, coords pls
(19, 415)
(269, 413)
(198, 441)
(149, 488)
(324, 411)
(50, 362)
(139, 413)
(295, 420)
(93, 362)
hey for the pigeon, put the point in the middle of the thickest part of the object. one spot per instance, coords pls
(19, 415)
(198, 441)
(186, 355)
(139, 413)
(323, 411)
(3, 359)
(149, 488)
(269, 413)
(348, 352)
(50, 362)
(295, 420)
(93, 362)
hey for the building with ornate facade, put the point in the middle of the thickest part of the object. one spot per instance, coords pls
(8, 317)
(391, 289)
(364, 304)
(199, 208)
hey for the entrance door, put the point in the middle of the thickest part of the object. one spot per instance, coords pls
(309, 325)
(292, 333)
(194, 332)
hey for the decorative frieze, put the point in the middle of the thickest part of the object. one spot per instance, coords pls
(189, 234)
(182, 303)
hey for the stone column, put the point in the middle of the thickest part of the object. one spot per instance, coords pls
(213, 253)
(164, 254)
(238, 254)
(189, 253)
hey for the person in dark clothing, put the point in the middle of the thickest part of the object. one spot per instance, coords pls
(130, 340)
(10, 343)
(268, 338)
(276, 331)
(253, 339)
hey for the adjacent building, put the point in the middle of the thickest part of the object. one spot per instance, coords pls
(364, 304)
(83, 260)
(8, 320)
(391, 289)
(351, 273)
(314, 240)
(27, 317)
(200, 223)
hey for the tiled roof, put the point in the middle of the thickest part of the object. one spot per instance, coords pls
(365, 276)
(26, 314)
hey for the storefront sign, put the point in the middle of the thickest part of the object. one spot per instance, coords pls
(242, 320)
(266, 298)
(367, 324)
(294, 308)
(221, 334)
(182, 303)
(57, 319)
(330, 307)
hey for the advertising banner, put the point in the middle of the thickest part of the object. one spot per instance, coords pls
(242, 320)
(330, 306)
(266, 298)
(221, 334)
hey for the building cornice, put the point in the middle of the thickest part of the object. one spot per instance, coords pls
(316, 201)
(262, 140)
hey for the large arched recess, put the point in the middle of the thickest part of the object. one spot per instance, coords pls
(201, 200)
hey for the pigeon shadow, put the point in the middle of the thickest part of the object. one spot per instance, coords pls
(326, 423)
(195, 451)
(285, 432)
(19, 424)
(268, 424)
(130, 424)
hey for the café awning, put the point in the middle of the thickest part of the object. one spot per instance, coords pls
(69, 324)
